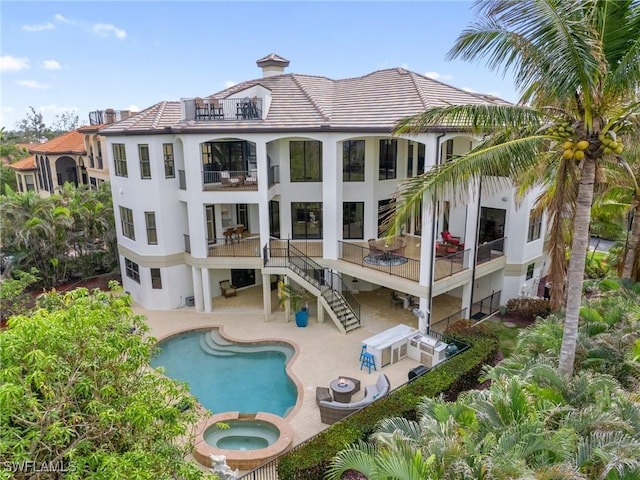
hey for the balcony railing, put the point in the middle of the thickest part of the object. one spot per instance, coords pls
(101, 117)
(230, 180)
(486, 306)
(391, 264)
(490, 250)
(451, 264)
(219, 110)
(246, 247)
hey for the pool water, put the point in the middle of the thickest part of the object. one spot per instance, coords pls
(242, 435)
(236, 377)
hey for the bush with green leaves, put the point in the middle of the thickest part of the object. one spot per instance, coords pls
(76, 390)
(527, 309)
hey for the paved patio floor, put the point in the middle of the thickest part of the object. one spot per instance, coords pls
(323, 353)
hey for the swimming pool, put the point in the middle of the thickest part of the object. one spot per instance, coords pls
(228, 376)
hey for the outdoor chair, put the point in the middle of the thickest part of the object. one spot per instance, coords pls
(373, 248)
(228, 290)
(228, 235)
(237, 232)
(215, 109)
(448, 238)
(202, 109)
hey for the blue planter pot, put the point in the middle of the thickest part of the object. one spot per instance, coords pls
(302, 318)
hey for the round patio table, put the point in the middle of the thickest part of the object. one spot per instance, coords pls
(342, 389)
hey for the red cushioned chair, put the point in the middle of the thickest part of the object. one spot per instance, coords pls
(450, 239)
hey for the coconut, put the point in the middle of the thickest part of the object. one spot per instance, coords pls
(582, 145)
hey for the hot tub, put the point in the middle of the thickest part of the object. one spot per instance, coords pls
(250, 440)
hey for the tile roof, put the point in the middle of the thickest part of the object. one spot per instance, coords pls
(28, 163)
(373, 102)
(70, 142)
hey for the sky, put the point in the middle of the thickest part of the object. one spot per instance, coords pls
(92, 55)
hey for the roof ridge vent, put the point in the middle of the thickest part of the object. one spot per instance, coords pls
(272, 64)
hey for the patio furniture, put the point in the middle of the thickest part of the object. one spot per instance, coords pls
(323, 393)
(252, 179)
(228, 181)
(368, 360)
(237, 232)
(228, 235)
(332, 411)
(228, 290)
(443, 250)
(373, 248)
(202, 109)
(396, 300)
(215, 109)
(448, 238)
(342, 389)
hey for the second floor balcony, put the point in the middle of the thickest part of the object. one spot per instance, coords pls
(224, 109)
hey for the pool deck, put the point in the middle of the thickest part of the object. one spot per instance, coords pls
(323, 353)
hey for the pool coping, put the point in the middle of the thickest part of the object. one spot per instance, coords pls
(243, 459)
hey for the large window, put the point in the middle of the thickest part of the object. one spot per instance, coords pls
(120, 159)
(169, 165)
(156, 278)
(535, 225)
(353, 220)
(448, 150)
(306, 219)
(530, 269)
(126, 221)
(353, 160)
(274, 218)
(145, 162)
(305, 161)
(152, 234)
(388, 159)
(132, 270)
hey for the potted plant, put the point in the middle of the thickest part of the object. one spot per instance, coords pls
(296, 299)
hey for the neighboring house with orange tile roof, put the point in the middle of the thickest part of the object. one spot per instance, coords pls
(223, 186)
(74, 157)
(25, 170)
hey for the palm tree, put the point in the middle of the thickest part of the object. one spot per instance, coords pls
(576, 65)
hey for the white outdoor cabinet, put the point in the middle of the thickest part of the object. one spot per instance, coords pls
(391, 345)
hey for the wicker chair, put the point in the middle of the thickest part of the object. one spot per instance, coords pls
(227, 289)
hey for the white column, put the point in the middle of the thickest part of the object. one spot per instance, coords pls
(331, 199)
(471, 224)
(197, 288)
(266, 296)
(467, 290)
(263, 190)
(206, 290)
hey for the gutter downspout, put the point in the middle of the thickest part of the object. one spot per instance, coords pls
(433, 239)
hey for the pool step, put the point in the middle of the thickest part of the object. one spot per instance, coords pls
(206, 345)
(214, 344)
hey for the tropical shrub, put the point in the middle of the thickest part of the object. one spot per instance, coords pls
(526, 310)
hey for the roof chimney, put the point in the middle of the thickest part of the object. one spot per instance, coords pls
(272, 65)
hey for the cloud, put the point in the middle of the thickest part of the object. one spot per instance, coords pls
(57, 109)
(107, 29)
(13, 64)
(438, 76)
(229, 83)
(3, 114)
(51, 65)
(133, 108)
(61, 19)
(470, 90)
(39, 28)
(32, 84)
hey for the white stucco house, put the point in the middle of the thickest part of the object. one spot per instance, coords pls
(302, 164)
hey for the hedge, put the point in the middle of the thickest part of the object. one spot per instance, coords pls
(460, 373)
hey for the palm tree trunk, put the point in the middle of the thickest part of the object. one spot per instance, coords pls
(632, 246)
(575, 272)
